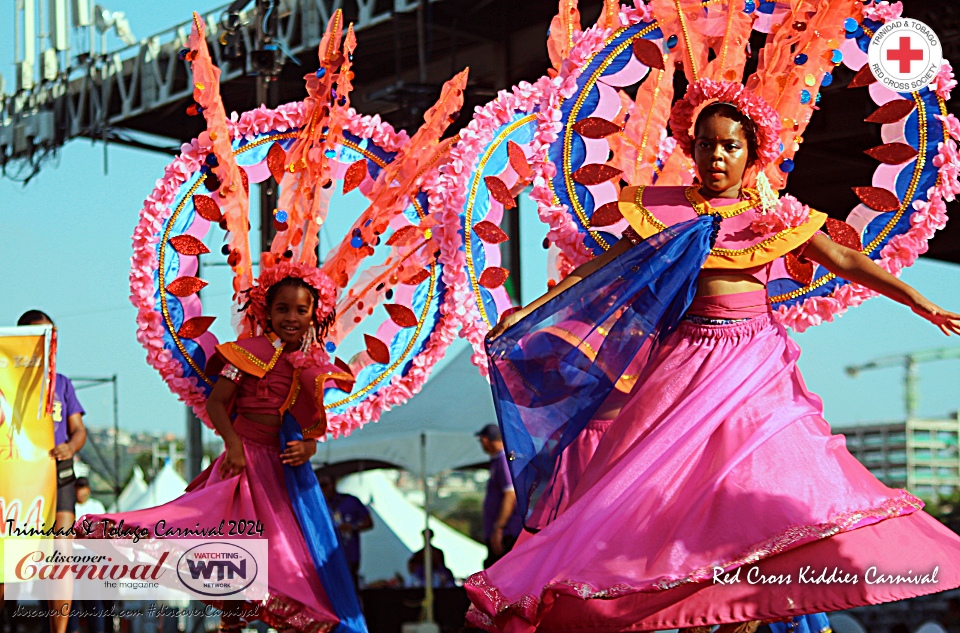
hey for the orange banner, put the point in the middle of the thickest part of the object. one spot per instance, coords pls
(27, 471)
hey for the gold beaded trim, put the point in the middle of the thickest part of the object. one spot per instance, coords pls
(471, 199)
(723, 252)
(702, 207)
(413, 340)
(907, 199)
(163, 248)
(568, 132)
(686, 40)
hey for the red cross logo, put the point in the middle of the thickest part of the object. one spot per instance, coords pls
(905, 55)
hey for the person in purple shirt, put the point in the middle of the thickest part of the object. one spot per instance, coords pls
(69, 436)
(351, 517)
(501, 516)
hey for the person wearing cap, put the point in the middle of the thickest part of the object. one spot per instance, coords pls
(501, 516)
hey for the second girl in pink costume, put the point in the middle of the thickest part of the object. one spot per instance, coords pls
(717, 495)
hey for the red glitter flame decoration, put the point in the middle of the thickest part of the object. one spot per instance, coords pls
(377, 349)
(518, 160)
(648, 53)
(844, 234)
(354, 176)
(892, 111)
(276, 158)
(185, 286)
(595, 127)
(343, 385)
(416, 278)
(188, 245)
(864, 77)
(401, 315)
(606, 215)
(892, 153)
(207, 208)
(192, 328)
(595, 174)
(801, 272)
(878, 199)
(489, 232)
(500, 192)
(494, 277)
(404, 236)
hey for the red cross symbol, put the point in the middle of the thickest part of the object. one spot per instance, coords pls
(905, 54)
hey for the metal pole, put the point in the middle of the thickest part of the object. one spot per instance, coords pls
(911, 386)
(427, 546)
(421, 41)
(116, 439)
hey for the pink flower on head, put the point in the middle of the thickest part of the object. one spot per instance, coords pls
(789, 213)
(883, 11)
(753, 107)
(944, 82)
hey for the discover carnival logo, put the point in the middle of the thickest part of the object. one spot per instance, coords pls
(217, 569)
(142, 569)
(905, 55)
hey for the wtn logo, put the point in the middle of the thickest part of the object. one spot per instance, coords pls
(225, 569)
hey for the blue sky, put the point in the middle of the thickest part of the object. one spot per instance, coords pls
(65, 248)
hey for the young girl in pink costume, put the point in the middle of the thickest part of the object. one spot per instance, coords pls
(267, 406)
(717, 494)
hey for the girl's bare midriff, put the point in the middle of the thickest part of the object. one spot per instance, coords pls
(264, 418)
(726, 284)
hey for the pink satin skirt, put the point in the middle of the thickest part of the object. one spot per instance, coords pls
(719, 461)
(296, 597)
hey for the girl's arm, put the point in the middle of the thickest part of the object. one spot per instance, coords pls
(581, 272)
(860, 269)
(234, 460)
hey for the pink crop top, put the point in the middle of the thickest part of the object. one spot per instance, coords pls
(261, 395)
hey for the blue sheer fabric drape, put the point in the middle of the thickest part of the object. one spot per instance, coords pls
(551, 371)
(329, 559)
(815, 623)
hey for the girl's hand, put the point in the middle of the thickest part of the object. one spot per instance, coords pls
(298, 452)
(234, 461)
(948, 322)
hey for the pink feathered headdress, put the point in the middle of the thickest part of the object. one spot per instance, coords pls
(750, 105)
(326, 290)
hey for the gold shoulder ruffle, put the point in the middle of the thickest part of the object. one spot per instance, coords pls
(646, 224)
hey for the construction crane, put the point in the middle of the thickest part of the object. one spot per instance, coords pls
(911, 372)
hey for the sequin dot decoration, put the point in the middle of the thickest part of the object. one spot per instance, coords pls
(804, 96)
(489, 232)
(401, 314)
(185, 286)
(850, 25)
(892, 153)
(595, 127)
(188, 245)
(672, 41)
(280, 215)
(356, 172)
(493, 277)
(377, 349)
(500, 192)
(595, 173)
(276, 159)
(878, 199)
(800, 59)
(786, 165)
(192, 328)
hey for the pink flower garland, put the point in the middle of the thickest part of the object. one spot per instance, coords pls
(928, 217)
(789, 213)
(449, 194)
(157, 209)
(944, 82)
(563, 230)
(883, 11)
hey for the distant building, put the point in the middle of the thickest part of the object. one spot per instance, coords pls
(919, 455)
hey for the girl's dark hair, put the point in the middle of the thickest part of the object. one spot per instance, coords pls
(32, 316)
(296, 282)
(729, 111)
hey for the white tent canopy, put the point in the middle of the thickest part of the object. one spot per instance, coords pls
(398, 532)
(453, 405)
(166, 486)
(133, 491)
